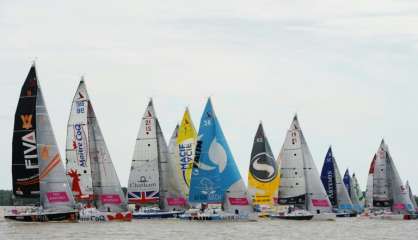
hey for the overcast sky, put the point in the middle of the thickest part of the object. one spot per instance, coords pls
(348, 68)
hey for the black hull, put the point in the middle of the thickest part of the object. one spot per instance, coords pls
(345, 215)
(297, 218)
(45, 217)
(159, 215)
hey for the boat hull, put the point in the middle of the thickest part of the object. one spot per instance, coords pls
(345, 215)
(156, 215)
(44, 217)
(213, 218)
(290, 217)
(98, 216)
(393, 217)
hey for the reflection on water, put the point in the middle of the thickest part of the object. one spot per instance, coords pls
(350, 229)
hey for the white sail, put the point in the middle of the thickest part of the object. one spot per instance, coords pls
(174, 197)
(77, 147)
(354, 196)
(402, 202)
(55, 191)
(369, 187)
(300, 183)
(411, 196)
(162, 165)
(343, 198)
(357, 196)
(144, 182)
(317, 198)
(106, 186)
(386, 178)
(292, 188)
(382, 192)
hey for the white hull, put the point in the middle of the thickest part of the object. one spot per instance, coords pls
(215, 216)
(94, 215)
(390, 217)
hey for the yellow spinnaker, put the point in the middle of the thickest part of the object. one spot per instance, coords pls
(186, 141)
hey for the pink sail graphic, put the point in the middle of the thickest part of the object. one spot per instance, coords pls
(56, 197)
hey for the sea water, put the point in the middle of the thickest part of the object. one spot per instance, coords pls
(173, 229)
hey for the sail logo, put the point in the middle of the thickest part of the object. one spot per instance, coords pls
(80, 145)
(30, 153)
(80, 107)
(330, 184)
(45, 152)
(186, 156)
(263, 167)
(26, 121)
(148, 125)
(217, 158)
(208, 189)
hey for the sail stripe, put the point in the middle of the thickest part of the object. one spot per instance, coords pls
(53, 163)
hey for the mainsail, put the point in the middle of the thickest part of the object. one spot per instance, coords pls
(105, 185)
(332, 182)
(25, 166)
(263, 175)
(386, 178)
(77, 147)
(349, 185)
(186, 144)
(34, 140)
(369, 187)
(300, 183)
(144, 178)
(175, 197)
(215, 176)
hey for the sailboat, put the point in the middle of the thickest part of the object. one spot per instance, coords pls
(349, 185)
(186, 146)
(90, 170)
(38, 172)
(390, 197)
(369, 187)
(359, 193)
(333, 184)
(216, 184)
(181, 150)
(412, 197)
(263, 175)
(148, 179)
(301, 190)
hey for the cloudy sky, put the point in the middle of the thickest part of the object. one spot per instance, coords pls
(348, 68)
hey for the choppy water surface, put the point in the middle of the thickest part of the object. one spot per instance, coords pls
(176, 229)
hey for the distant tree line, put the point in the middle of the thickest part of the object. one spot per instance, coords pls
(6, 198)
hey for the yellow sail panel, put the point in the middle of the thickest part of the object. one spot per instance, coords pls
(263, 193)
(186, 140)
(263, 176)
